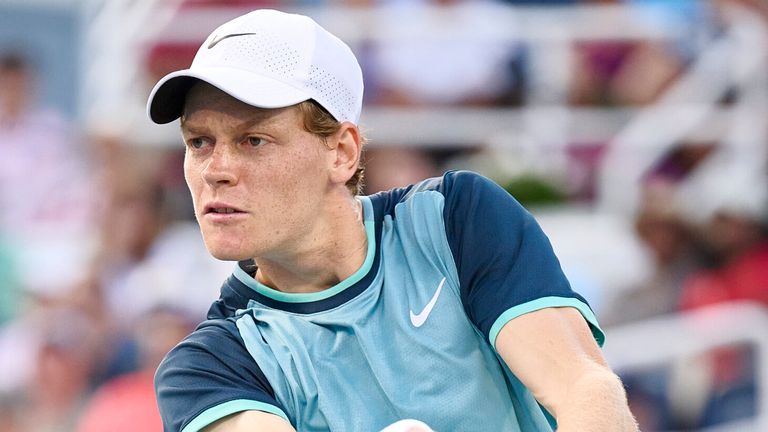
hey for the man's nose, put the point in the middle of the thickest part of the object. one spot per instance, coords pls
(220, 167)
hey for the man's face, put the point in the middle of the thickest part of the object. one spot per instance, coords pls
(257, 178)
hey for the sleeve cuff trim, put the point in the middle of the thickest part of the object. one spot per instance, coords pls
(542, 303)
(220, 411)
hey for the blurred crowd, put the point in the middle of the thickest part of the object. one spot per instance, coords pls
(103, 270)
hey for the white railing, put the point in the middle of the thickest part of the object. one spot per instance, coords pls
(663, 340)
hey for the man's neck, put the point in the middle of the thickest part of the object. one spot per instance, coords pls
(336, 253)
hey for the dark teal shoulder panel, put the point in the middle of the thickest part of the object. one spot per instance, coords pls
(209, 368)
(503, 257)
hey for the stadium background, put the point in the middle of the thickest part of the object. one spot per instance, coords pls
(635, 131)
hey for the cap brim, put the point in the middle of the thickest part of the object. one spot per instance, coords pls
(166, 102)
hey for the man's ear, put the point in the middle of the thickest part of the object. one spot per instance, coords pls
(346, 147)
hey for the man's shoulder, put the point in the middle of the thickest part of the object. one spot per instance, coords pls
(210, 335)
(213, 345)
(449, 186)
(209, 371)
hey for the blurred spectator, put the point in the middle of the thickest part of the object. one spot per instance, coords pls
(626, 72)
(68, 354)
(621, 73)
(736, 235)
(687, 187)
(165, 277)
(661, 226)
(127, 402)
(759, 7)
(9, 408)
(148, 241)
(131, 220)
(719, 386)
(44, 186)
(668, 237)
(664, 226)
(454, 60)
(42, 167)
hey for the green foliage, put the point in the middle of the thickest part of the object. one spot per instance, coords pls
(534, 191)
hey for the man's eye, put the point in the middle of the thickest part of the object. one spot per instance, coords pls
(197, 143)
(255, 141)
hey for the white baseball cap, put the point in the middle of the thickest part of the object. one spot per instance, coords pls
(268, 59)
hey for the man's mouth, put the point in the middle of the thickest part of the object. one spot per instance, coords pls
(222, 209)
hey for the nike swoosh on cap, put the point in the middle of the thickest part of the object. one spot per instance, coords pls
(217, 39)
(419, 319)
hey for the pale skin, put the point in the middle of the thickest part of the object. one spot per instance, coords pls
(304, 230)
(293, 212)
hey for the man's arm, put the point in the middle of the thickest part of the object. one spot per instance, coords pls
(553, 353)
(250, 421)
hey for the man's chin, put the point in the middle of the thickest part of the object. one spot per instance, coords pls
(227, 254)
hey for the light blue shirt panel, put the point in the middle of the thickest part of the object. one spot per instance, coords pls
(364, 365)
(423, 245)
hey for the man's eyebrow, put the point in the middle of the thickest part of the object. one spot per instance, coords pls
(255, 118)
(265, 116)
(186, 127)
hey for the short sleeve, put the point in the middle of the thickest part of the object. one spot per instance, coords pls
(208, 376)
(505, 262)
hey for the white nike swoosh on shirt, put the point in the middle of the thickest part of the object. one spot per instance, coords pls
(418, 319)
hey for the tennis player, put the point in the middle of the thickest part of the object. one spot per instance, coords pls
(441, 303)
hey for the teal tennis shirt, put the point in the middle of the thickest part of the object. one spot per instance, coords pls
(411, 334)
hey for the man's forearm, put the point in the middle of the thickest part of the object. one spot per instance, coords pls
(596, 402)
